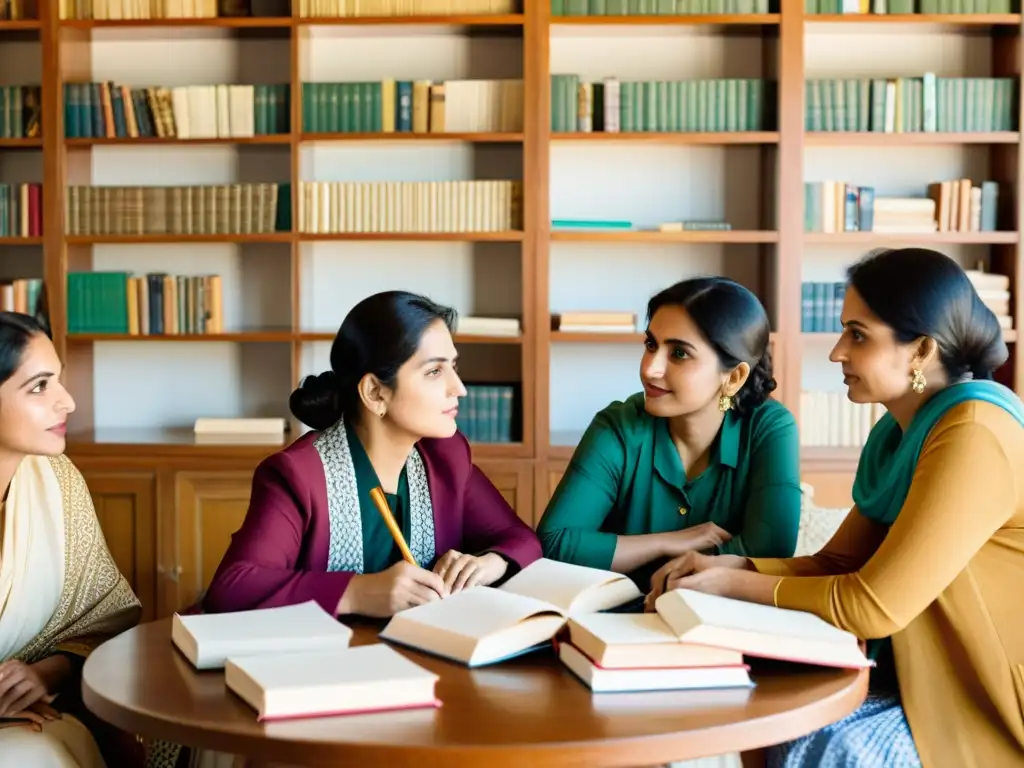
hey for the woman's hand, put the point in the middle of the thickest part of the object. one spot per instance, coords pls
(32, 718)
(384, 594)
(696, 539)
(460, 571)
(671, 574)
(21, 686)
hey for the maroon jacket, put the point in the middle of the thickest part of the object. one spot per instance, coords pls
(279, 555)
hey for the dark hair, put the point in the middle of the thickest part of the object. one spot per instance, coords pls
(919, 292)
(736, 326)
(378, 335)
(16, 331)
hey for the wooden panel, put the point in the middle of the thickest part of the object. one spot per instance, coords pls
(211, 507)
(125, 505)
(514, 480)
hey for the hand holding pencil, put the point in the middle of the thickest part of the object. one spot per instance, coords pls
(404, 585)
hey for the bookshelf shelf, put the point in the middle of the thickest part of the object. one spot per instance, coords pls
(21, 143)
(21, 241)
(950, 19)
(925, 239)
(653, 137)
(242, 22)
(174, 141)
(238, 336)
(696, 236)
(478, 237)
(20, 25)
(869, 139)
(574, 337)
(456, 20)
(696, 19)
(269, 237)
(470, 138)
(460, 338)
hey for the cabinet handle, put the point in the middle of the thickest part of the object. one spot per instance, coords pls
(171, 574)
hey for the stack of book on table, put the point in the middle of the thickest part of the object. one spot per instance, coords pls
(296, 661)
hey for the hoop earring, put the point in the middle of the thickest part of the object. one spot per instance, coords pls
(724, 403)
(917, 382)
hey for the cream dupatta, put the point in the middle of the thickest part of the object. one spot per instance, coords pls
(49, 509)
(60, 591)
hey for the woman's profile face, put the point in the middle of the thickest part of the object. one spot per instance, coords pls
(34, 406)
(425, 400)
(680, 372)
(876, 367)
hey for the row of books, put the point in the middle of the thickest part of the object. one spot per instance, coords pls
(409, 206)
(486, 413)
(994, 291)
(417, 106)
(611, 106)
(111, 110)
(831, 420)
(20, 111)
(212, 209)
(950, 206)
(16, 10)
(690, 641)
(21, 210)
(912, 104)
(152, 304)
(137, 9)
(23, 295)
(594, 321)
(821, 305)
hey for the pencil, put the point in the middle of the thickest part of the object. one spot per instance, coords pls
(377, 494)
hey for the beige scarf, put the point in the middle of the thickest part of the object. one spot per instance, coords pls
(59, 587)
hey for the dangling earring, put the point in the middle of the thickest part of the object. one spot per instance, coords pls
(724, 403)
(917, 382)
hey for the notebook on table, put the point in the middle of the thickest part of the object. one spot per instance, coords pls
(327, 683)
(207, 640)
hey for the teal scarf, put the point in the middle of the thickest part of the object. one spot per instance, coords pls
(889, 458)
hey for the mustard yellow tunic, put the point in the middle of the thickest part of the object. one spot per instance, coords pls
(946, 582)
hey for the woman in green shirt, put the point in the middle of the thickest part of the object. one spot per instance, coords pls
(700, 460)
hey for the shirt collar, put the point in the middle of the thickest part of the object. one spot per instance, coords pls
(666, 458)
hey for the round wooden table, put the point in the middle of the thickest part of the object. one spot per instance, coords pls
(528, 711)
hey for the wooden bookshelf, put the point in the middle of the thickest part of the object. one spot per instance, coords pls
(162, 494)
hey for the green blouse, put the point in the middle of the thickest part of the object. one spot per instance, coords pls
(379, 549)
(626, 478)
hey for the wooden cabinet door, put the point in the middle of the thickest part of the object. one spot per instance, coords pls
(514, 480)
(125, 505)
(211, 507)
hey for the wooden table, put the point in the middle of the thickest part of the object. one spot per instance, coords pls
(528, 711)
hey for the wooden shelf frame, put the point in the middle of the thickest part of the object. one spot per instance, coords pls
(66, 56)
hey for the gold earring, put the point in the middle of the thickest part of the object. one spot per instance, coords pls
(724, 403)
(917, 382)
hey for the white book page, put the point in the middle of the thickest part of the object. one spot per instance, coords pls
(312, 669)
(476, 612)
(557, 583)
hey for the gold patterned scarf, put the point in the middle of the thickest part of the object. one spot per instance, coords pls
(95, 602)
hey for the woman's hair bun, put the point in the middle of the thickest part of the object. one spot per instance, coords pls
(316, 402)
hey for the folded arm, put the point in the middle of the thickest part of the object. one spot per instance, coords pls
(259, 569)
(963, 491)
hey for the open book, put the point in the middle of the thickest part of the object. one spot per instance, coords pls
(207, 640)
(759, 630)
(370, 678)
(482, 625)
